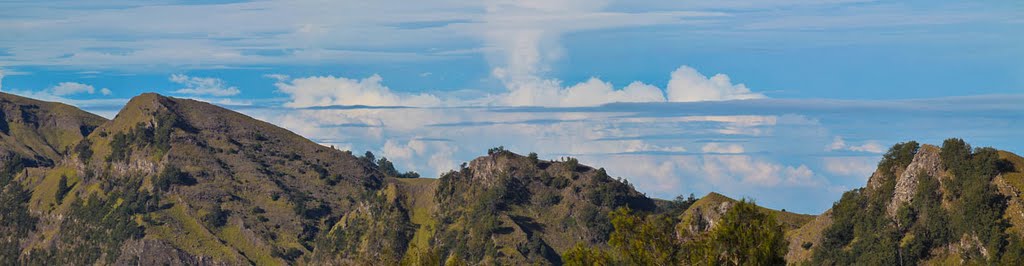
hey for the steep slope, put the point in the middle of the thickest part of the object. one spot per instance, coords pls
(37, 133)
(181, 180)
(34, 135)
(510, 209)
(924, 204)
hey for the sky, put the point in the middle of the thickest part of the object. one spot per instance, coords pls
(787, 102)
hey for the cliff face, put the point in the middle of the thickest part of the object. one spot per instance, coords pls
(931, 206)
(925, 164)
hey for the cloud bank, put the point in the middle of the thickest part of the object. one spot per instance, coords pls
(686, 85)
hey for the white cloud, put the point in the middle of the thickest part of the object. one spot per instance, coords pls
(715, 147)
(330, 90)
(277, 77)
(203, 86)
(685, 85)
(658, 174)
(524, 37)
(105, 91)
(860, 167)
(725, 169)
(688, 85)
(735, 165)
(870, 146)
(439, 154)
(838, 143)
(69, 88)
(589, 93)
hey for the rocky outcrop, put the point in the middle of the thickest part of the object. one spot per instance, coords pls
(926, 162)
(705, 218)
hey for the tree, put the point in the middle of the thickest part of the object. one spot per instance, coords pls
(62, 189)
(16, 221)
(744, 236)
(640, 241)
(171, 175)
(369, 157)
(679, 204)
(84, 150)
(533, 157)
(496, 150)
(583, 256)
(386, 166)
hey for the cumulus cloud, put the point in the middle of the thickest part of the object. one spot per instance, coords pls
(860, 167)
(589, 93)
(439, 153)
(64, 89)
(724, 169)
(688, 85)
(523, 37)
(747, 169)
(66, 92)
(330, 90)
(68, 88)
(203, 86)
(838, 144)
(685, 85)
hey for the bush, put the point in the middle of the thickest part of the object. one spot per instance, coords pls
(84, 150)
(120, 148)
(496, 150)
(409, 174)
(215, 217)
(533, 157)
(171, 175)
(62, 189)
(679, 204)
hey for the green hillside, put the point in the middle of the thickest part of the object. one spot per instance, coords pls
(176, 181)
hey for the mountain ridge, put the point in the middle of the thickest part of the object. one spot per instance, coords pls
(181, 181)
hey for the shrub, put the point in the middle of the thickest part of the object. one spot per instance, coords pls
(171, 175)
(496, 150)
(62, 189)
(84, 150)
(533, 158)
(215, 217)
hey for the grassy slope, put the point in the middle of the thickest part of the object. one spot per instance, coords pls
(1015, 179)
(789, 220)
(57, 126)
(418, 196)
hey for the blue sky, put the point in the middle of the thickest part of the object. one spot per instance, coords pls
(788, 102)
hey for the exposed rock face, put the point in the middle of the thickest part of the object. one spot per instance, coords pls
(926, 162)
(705, 218)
